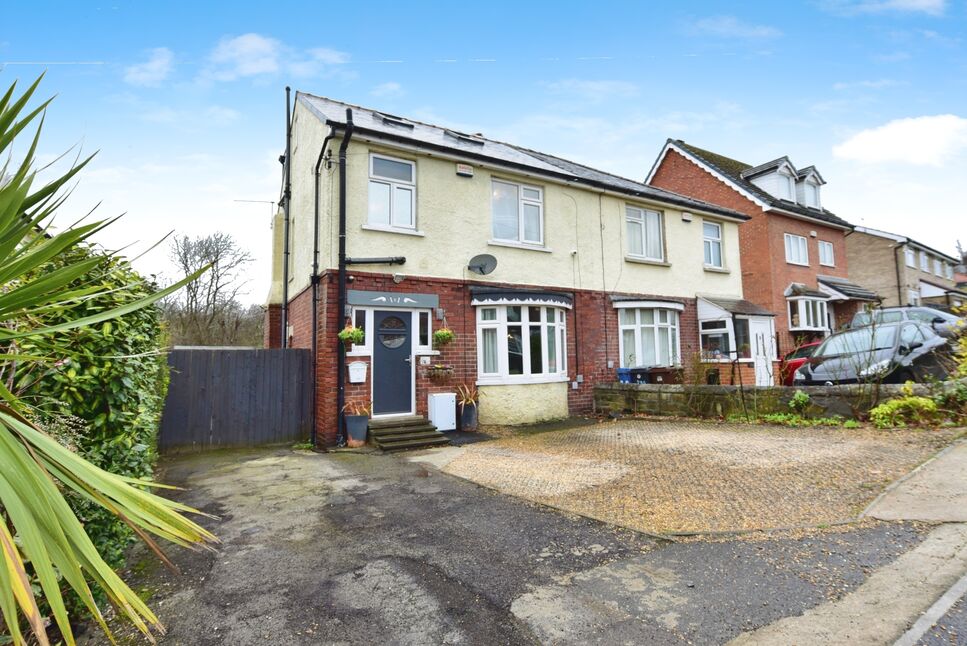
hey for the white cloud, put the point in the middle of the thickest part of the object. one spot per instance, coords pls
(849, 7)
(594, 91)
(388, 89)
(923, 141)
(153, 71)
(254, 55)
(732, 27)
(878, 84)
(214, 115)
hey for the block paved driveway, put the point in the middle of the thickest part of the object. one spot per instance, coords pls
(349, 548)
(667, 476)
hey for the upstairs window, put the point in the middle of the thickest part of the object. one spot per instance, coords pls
(644, 233)
(826, 254)
(911, 257)
(518, 213)
(787, 187)
(812, 194)
(392, 192)
(797, 252)
(937, 267)
(924, 261)
(712, 234)
(949, 271)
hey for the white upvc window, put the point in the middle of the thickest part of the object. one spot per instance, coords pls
(924, 261)
(645, 238)
(422, 326)
(712, 242)
(649, 337)
(797, 251)
(812, 194)
(911, 256)
(725, 339)
(826, 254)
(392, 192)
(937, 267)
(519, 344)
(518, 212)
(949, 270)
(808, 314)
(787, 187)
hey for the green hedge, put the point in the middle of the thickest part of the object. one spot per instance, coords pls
(107, 388)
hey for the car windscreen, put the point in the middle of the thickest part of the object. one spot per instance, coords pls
(801, 353)
(861, 340)
(861, 319)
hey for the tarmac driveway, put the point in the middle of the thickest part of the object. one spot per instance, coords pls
(349, 548)
(669, 477)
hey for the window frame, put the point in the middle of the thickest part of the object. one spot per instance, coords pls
(911, 257)
(708, 242)
(521, 202)
(794, 237)
(674, 348)
(937, 267)
(832, 254)
(807, 312)
(393, 185)
(924, 262)
(366, 348)
(811, 188)
(642, 221)
(502, 376)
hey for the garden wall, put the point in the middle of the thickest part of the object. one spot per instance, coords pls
(721, 401)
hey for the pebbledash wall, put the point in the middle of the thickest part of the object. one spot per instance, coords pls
(592, 341)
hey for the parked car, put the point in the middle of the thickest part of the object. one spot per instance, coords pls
(943, 323)
(892, 353)
(793, 360)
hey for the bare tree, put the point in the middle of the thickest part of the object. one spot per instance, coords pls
(207, 311)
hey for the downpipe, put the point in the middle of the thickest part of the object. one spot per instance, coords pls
(341, 307)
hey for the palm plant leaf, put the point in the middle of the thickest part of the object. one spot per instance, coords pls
(40, 535)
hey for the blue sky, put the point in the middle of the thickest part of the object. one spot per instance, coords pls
(185, 101)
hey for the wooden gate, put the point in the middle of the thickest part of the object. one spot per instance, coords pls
(225, 397)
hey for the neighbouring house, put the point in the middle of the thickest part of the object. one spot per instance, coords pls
(794, 260)
(904, 271)
(551, 274)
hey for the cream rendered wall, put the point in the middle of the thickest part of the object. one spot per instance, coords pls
(454, 217)
(513, 405)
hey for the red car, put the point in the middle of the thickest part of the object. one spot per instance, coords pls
(791, 362)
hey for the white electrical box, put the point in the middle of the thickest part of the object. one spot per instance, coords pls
(442, 409)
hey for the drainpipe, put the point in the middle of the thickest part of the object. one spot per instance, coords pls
(341, 307)
(896, 265)
(286, 195)
(315, 286)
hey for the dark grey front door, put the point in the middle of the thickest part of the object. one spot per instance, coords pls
(392, 367)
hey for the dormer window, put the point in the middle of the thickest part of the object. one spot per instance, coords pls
(787, 187)
(812, 194)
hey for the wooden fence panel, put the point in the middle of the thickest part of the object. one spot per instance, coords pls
(222, 397)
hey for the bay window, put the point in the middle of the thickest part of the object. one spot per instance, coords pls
(648, 336)
(644, 234)
(518, 213)
(521, 344)
(392, 192)
(808, 314)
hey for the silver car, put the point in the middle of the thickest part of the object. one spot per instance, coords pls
(943, 323)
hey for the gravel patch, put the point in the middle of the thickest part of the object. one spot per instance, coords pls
(688, 476)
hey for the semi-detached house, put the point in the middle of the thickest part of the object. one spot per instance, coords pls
(590, 271)
(794, 250)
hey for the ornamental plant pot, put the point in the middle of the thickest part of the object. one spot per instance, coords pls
(468, 418)
(356, 427)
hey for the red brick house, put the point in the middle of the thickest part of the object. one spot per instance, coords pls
(794, 259)
(551, 274)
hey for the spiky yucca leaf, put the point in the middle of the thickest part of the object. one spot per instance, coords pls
(39, 533)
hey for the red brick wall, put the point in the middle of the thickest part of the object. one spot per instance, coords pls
(765, 272)
(271, 331)
(592, 340)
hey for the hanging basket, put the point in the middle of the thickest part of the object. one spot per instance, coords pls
(439, 374)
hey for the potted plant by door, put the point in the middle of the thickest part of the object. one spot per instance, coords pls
(442, 337)
(356, 417)
(351, 335)
(467, 398)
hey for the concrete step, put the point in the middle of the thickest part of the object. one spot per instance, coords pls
(395, 422)
(389, 440)
(402, 430)
(416, 444)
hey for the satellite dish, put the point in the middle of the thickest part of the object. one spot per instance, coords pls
(482, 264)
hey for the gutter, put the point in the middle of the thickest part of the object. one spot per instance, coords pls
(286, 196)
(314, 280)
(341, 306)
(560, 176)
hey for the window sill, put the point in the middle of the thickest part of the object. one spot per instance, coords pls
(518, 245)
(383, 229)
(822, 264)
(716, 270)
(359, 353)
(521, 380)
(647, 261)
(797, 264)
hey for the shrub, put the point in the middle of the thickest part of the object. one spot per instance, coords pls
(107, 387)
(799, 402)
(902, 411)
